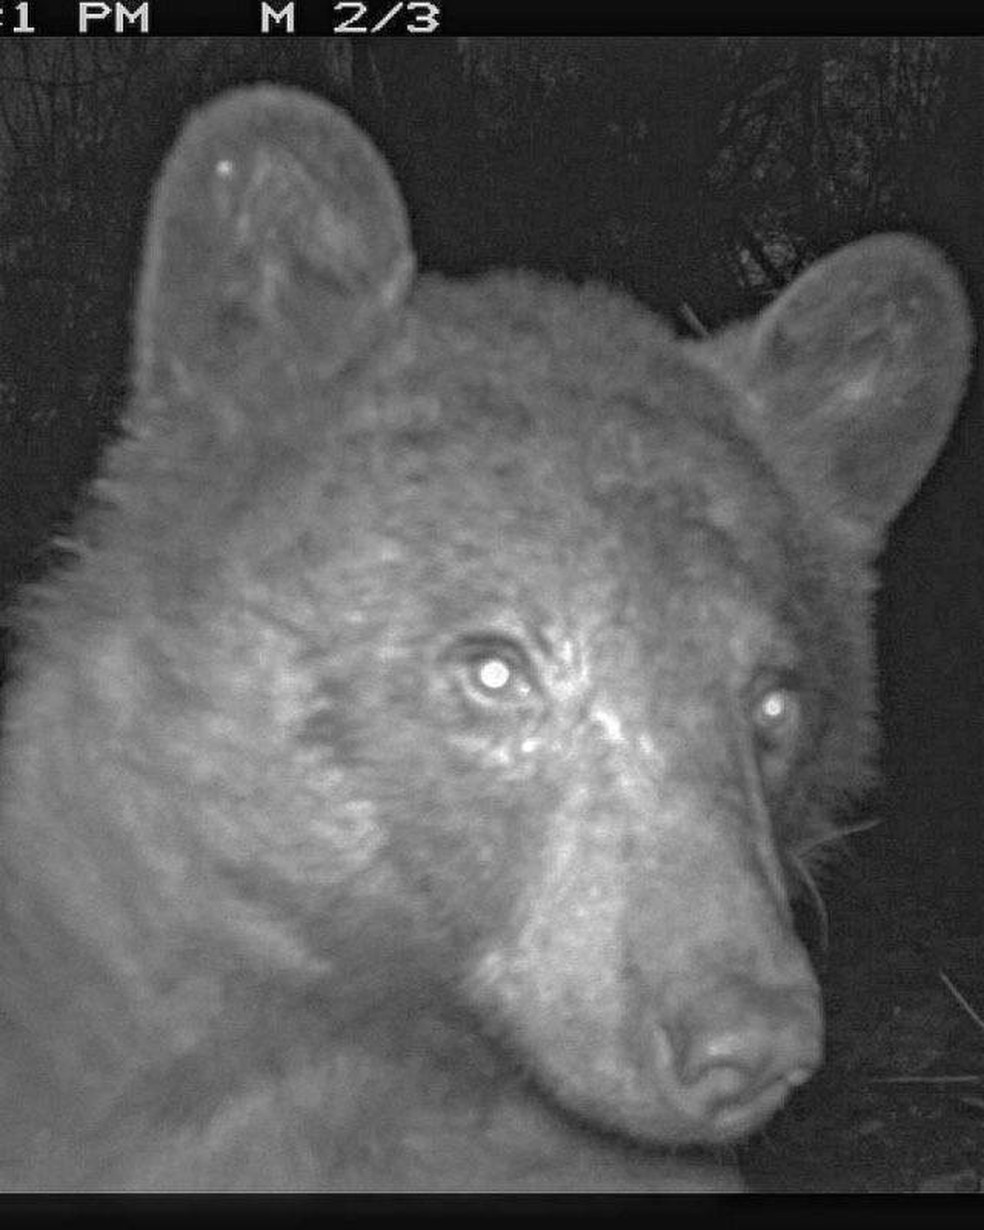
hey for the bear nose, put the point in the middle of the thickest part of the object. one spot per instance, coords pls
(728, 1060)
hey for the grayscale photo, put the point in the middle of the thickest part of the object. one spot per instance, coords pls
(491, 608)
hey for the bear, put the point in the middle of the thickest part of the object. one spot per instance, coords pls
(407, 778)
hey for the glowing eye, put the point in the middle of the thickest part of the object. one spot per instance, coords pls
(493, 673)
(497, 676)
(776, 716)
(773, 707)
(496, 673)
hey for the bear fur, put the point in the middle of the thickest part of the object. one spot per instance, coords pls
(404, 785)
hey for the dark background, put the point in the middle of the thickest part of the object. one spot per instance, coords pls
(701, 173)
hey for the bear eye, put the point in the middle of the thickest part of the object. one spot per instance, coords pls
(777, 717)
(496, 672)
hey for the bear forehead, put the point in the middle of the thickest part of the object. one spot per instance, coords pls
(488, 462)
(517, 376)
(536, 405)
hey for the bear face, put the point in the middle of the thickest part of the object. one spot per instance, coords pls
(405, 786)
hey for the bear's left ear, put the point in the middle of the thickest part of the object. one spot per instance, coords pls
(277, 230)
(853, 377)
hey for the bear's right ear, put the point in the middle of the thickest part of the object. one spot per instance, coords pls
(276, 233)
